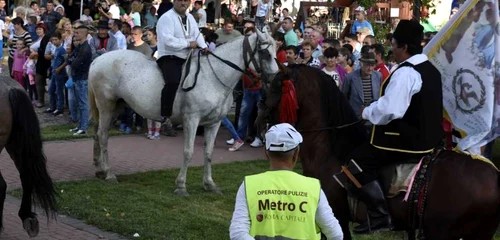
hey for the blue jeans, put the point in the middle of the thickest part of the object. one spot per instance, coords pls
(227, 124)
(83, 104)
(250, 100)
(73, 104)
(56, 92)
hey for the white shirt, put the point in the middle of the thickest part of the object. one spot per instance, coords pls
(202, 22)
(114, 11)
(334, 74)
(404, 83)
(174, 37)
(121, 40)
(36, 45)
(263, 9)
(240, 224)
(86, 18)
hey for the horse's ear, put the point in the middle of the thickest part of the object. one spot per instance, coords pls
(260, 35)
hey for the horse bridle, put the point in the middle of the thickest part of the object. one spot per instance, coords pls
(263, 54)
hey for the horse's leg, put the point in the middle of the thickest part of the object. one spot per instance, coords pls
(410, 234)
(97, 147)
(30, 222)
(210, 135)
(102, 168)
(189, 128)
(3, 192)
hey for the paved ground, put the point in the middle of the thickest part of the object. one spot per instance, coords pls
(128, 154)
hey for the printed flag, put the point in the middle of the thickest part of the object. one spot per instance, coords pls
(467, 53)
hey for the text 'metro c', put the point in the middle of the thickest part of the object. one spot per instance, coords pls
(281, 206)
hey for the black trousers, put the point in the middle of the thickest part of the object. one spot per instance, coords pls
(171, 68)
(371, 159)
(41, 81)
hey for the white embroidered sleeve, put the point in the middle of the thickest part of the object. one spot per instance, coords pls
(165, 28)
(404, 83)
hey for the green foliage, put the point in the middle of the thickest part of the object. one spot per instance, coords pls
(367, 3)
(380, 30)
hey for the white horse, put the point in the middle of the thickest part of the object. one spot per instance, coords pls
(130, 76)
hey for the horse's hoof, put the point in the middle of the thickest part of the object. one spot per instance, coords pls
(213, 189)
(217, 191)
(100, 174)
(31, 226)
(111, 178)
(181, 192)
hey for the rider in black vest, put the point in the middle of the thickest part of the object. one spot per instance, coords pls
(407, 121)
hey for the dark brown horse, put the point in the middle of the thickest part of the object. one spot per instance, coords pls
(462, 194)
(20, 135)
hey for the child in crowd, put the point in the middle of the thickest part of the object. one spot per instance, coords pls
(30, 70)
(31, 27)
(344, 58)
(20, 57)
(330, 68)
(56, 87)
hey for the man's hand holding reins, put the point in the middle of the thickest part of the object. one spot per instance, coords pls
(205, 51)
(193, 44)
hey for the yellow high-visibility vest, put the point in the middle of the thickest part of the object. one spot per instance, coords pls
(282, 204)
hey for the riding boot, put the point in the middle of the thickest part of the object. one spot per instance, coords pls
(372, 195)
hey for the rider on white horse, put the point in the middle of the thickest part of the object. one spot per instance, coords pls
(177, 33)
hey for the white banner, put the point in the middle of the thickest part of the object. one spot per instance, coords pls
(467, 53)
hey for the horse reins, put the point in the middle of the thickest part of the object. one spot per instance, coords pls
(333, 128)
(246, 46)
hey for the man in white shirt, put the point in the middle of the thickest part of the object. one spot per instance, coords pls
(252, 215)
(407, 121)
(201, 14)
(177, 33)
(121, 40)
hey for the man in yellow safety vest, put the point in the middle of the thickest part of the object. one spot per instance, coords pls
(282, 204)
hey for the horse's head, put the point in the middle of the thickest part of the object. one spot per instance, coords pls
(270, 113)
(264, 54)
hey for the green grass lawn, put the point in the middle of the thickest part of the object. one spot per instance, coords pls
(144, 203)
(61, 132)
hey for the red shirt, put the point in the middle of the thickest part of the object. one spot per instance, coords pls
(281, 56)
(251, 84)
(382, 68)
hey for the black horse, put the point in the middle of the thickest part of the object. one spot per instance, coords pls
(20, 135)
(461, 195)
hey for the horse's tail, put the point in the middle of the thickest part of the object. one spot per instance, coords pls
(93, 107)
(28, 152)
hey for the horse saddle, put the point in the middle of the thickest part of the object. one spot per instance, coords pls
(396, 178)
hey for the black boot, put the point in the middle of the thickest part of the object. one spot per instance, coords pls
(372, 195)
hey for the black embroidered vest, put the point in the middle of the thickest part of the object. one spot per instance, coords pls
(420, 130)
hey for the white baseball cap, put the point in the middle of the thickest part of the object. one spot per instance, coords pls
(282, 137)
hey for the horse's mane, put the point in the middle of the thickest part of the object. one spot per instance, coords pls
(337, 111)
